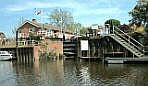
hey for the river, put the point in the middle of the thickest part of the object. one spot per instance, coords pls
(72, 73)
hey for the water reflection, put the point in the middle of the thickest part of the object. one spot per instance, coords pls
(7, 77)
(39, 73)
(96, 74)
(72, 73)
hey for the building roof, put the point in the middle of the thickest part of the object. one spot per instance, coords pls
(41, 25)
(2, 34)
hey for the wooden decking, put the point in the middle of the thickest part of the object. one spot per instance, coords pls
(89, 57)
(124, 60)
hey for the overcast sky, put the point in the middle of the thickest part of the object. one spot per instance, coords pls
(86, 12)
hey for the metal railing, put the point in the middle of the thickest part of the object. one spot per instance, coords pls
(128, 39)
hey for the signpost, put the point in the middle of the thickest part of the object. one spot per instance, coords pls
(84, 45)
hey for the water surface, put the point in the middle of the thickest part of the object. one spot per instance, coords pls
(72, 73)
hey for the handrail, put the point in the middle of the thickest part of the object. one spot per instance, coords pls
(130, 42)
(129, 37)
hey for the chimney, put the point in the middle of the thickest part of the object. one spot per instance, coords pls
(34, 20)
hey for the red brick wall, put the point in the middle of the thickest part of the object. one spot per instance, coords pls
(52, 46)
(55, 46)
(25, 28)
(36, 52)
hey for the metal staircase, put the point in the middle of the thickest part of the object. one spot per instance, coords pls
(127, 42)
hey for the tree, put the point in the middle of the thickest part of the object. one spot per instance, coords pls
(140, 14)
(74, 27)
(65, 21)
(113, 22)
(78, 29)
(61, 18)
(83, 31)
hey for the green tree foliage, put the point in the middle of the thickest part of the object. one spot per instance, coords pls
(140, 13)
(113, 22)
(78, 29)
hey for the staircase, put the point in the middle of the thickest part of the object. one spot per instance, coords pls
(128, 42)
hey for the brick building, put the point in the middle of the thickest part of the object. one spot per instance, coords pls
(45, 37)
(32, 32)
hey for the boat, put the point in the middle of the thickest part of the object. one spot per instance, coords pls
(5, 55)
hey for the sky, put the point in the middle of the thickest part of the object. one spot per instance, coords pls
(86, 12)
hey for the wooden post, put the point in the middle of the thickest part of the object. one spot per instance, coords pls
(17, 57)
(89, 50)
(17, 46)
(103, 56)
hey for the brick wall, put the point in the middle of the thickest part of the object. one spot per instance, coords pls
(55, 46)
(52, 46)
(36, 52)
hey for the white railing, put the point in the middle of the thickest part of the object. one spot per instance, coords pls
(28, 43)
(128, 38)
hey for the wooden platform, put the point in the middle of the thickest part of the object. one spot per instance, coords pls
(88, 57)
(114, 54)
(120, 60)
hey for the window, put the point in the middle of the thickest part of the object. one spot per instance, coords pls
(32, 29)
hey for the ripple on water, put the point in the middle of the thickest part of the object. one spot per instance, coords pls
(71, 73)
